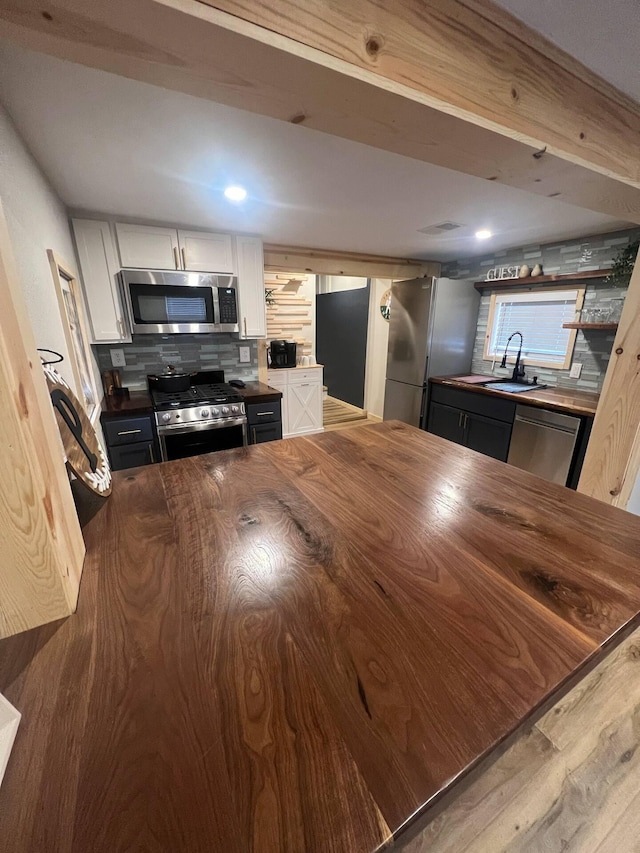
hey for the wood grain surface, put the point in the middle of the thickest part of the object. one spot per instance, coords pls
(115, 406)
(559, 399)
(305, 646)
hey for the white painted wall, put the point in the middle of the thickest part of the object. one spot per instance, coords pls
(37, 221)
(335, 283)
(377, 340)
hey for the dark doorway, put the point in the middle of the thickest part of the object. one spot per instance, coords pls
(341, 342)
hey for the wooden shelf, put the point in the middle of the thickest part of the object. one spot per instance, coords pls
(604, 327)
(541, 279)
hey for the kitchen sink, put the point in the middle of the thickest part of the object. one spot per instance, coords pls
(512, 387)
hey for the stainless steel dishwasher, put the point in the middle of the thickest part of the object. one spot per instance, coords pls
(543, 442)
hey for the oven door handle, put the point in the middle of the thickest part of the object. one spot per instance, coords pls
(200, 426)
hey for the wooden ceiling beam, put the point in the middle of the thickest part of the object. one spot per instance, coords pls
(295, 259)
(457, 83)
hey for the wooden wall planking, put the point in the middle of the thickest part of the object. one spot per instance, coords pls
(612, 461)
(42, 546)
(291, 315)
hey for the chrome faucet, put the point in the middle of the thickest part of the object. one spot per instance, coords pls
(518, 368)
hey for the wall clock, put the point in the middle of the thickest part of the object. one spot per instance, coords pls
(385, 304)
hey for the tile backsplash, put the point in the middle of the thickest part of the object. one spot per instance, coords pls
(151, 353)
(592, 349)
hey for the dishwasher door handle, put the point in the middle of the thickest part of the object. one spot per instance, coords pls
(543, 425)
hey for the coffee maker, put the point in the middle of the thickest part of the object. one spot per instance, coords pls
(282, 354)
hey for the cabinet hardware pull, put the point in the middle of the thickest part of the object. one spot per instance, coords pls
(184, 259)
(176, 259)
(304, 384)
(129, 431)
(466, 419)
(121, 327)
(460, 420)
(153, 458)
(262, 414)
(254, 435)
(244, 320)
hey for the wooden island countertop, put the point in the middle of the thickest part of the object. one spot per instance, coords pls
(308, 645)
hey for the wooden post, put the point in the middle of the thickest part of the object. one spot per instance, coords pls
(613, 456)
(42, 547)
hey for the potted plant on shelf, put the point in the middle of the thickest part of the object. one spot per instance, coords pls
(623, 264)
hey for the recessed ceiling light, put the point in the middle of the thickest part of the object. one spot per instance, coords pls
(483, 234)
(235, 193)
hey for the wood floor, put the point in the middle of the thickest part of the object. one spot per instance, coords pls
(336, 414)
(571, 784)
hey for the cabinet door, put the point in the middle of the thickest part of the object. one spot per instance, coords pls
(304, 407)
(488, 436)
(99, 267)
(250, 269)
(201, 251)
(132, 455)
(260, 433)
(147, 247)
(446, 422)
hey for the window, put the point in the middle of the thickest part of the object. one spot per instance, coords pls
(72, 313)
(540, 316)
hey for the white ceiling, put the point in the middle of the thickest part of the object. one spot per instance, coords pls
(603, 34)
(120, 147)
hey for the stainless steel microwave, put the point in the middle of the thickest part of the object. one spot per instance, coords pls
(180, 303)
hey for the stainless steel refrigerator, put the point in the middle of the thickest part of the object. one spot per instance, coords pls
(432, 329)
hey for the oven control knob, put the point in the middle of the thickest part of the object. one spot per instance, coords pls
(215, 412)
(235, 410)
(204, 413)
(225, 410)
(166, 417)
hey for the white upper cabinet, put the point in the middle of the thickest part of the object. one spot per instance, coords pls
(99, 268)
(148, 247)
(252, 310)
(205, 252)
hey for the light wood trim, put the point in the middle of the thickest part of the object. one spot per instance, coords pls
(59, 269)
(551, 365)
(612, 462)
(190, 47)
(327, 262)
(537, 281)
(471, 59)
(42, 547)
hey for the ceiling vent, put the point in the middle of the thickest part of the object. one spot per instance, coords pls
(441, 228)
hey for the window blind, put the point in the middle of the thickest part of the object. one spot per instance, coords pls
(539, 316)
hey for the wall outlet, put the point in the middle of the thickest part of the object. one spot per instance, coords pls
(576, 370)
(117, 357)
(245, 354)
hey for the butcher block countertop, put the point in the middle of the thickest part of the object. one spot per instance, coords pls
(564, 400)
(306, 645)
(258, 392)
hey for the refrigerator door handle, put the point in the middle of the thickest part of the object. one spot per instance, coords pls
(423, 409)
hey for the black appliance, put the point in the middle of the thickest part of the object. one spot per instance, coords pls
(209, 416)
(178, 303)
(282, 354)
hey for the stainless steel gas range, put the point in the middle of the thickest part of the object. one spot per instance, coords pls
(207, 417)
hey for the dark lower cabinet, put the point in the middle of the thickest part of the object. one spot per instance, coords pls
(132, 455)
(446, 422)
(486, 435)
(264, 422)
(265, 432)
(131, 441)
